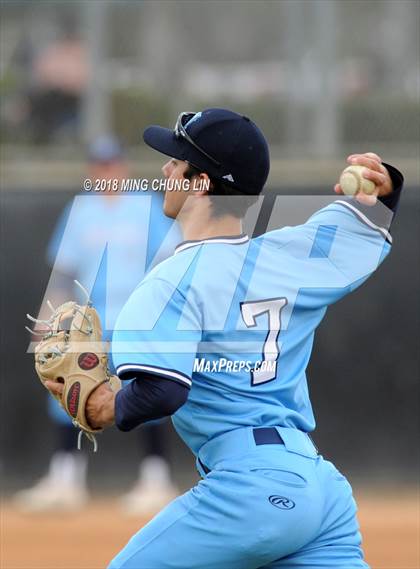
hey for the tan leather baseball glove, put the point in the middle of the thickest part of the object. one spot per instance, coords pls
(72, 353)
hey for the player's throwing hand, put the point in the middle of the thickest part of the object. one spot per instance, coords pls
(373, 170)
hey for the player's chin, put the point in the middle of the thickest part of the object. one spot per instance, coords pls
(169, 210)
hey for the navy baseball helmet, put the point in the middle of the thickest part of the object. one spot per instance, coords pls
(222, 143)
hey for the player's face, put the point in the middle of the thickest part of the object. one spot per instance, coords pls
(174, 200)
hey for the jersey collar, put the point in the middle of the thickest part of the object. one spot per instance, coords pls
(230, 239)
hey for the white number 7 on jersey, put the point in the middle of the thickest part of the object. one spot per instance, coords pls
(270, 351)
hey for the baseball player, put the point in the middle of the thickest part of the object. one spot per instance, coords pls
(219, 336)
(111, 229)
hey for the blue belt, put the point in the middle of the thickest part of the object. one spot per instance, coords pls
(262, 436)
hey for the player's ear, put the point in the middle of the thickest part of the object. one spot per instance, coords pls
(201, 184)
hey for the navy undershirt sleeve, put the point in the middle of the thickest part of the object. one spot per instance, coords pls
(391, 201)
(146, 398)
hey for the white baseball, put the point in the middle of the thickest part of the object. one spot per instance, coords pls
(352, 181)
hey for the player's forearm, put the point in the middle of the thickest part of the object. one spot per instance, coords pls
(148, 398)
(100, 407)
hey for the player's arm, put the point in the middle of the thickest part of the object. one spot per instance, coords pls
(148, 348)
(147, 398)
(154, 344)
(350, 238)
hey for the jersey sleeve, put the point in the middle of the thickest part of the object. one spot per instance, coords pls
(147, 336)
(331, 254)
(355, 239)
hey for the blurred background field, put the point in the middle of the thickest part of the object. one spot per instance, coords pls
(90, 538)
(322, 79)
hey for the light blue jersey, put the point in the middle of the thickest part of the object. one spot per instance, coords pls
(108, 243)
(234, 319)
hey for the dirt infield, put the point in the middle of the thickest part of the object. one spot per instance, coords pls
(89, 539)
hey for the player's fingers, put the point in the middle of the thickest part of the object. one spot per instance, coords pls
(363, 160)
(366, 199)
(371, 155)
(374, 156)
(338, 190)
(377, 178)
(54, 387)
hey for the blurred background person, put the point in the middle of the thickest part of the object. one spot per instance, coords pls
(50, 75)
(59, 78)
(141, 237)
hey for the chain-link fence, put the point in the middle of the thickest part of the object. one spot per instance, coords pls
(318, 77)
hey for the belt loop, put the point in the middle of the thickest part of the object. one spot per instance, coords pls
(267, 436)
(202, 468)
(298, 442)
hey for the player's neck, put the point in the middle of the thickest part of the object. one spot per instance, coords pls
(199, 229)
